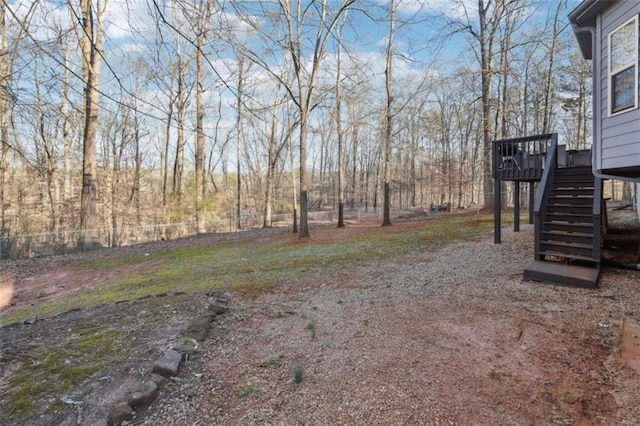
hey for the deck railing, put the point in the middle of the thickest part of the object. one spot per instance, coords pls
(598, 206)
(522, 158)
(543, 192)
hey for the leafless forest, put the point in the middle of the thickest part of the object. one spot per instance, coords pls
(123, 120)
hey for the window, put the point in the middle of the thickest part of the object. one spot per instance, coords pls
(623, 64)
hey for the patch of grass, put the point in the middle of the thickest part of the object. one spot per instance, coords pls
(252, 269)
(271, 362)
(59, 370)
(298, 373)
(245, 391)
(311, 326)
(575, 400)
(497, 375)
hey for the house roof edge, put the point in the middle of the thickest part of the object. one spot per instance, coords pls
(585, 13)
(583, 20)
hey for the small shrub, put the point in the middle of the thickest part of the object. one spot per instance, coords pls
(298, 373)
(311, 326)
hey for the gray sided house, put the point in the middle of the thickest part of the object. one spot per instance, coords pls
(568, 208)
(608, 34)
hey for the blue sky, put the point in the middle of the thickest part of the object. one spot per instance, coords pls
(130, 26)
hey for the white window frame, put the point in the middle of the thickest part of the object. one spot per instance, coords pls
(633, 62)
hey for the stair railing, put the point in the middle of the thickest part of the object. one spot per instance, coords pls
(598, 205)
(544, 187)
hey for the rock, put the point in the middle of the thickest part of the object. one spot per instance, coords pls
(145, 395)
(186, 348)
(159, 380)
(169, 363)
(198, 328)
(119, 413)
(218, 305)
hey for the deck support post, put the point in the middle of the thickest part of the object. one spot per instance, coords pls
(496, 210)
(516, 206)
(532, 201)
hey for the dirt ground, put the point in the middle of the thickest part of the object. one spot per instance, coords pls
(441, 337)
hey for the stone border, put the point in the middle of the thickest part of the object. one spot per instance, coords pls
(167, 366)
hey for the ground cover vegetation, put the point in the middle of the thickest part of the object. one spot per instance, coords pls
(363, 323)
(77, 353)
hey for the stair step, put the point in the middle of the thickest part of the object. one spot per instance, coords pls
(566, 192)
(586, 228)
(570, 209)
(562, 273)
(573, 170)
(570, 250)
(572, 188)
(569, 218)
(577, 176)
(571, 200)
(567, 255)
(569, 237)
(572, 183)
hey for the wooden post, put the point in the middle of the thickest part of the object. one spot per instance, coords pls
(516, 206)
(532, 201)
(496, 211)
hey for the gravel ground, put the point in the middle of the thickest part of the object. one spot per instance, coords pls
(445, 337)
(436, 338)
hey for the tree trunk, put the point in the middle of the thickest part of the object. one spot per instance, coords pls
(199, 160)
(303, 231)
(388, 124)
(239, 144)
(91, 38)
(4, 118)
(339, 133)
(486, 72)
(548, 95)
(181, 106)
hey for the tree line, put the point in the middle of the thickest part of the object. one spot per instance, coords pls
(121, 113)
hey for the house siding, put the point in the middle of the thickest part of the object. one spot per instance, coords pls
(617, 142)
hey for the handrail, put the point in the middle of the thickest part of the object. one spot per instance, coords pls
(542, 194)
(520, 158)
(547, 174)
(597, 217)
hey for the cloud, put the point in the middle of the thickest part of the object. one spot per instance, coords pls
(47, 20)
(449, 8)
(452, 8)
(128, 18)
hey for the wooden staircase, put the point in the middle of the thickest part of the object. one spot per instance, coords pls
(568, 229)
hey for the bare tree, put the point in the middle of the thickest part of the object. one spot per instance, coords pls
(339, 130)
(549, 82)
(90, 35)
(388, 115)
(239, 134)
(484, 29)
(301, 21)
(9, 52)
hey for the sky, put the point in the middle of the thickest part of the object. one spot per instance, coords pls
(427, 45)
